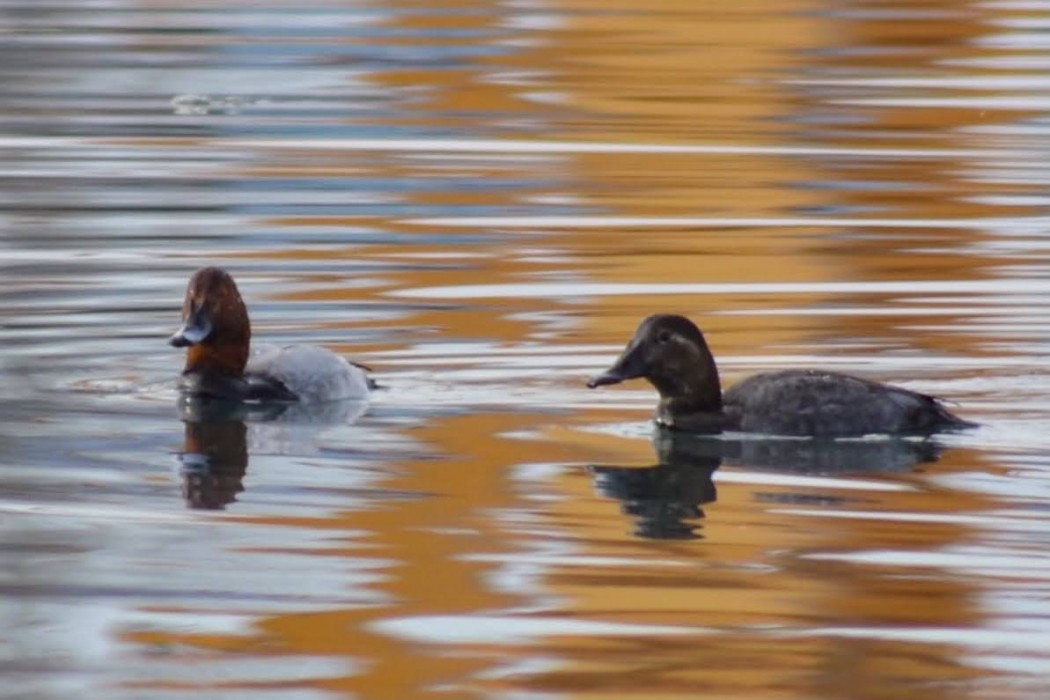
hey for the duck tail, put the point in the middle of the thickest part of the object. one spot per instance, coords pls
(372, 384)
(946, 420)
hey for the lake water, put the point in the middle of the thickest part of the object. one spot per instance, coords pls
(480, 200)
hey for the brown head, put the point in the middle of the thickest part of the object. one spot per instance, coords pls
(669, 351)
(215, 328)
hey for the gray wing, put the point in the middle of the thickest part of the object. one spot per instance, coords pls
(311, 373)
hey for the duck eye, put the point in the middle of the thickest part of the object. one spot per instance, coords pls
(663, 337)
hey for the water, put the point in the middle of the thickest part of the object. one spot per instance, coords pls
(481, 200)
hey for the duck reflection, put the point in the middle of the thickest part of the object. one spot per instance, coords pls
(810, 456)
(214, 461)
(665, 499)
(214, 457)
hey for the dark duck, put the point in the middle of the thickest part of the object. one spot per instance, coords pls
(670, 351)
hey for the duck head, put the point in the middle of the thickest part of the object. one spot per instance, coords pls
(670, 352)
(215, 328)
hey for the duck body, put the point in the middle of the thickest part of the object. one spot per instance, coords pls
(217, 336)
(830, 404)
(670, 351)
(312, 373)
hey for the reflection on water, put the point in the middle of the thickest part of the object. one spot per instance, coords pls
(665, 498)
(214, 456)
(481, 200)
(214, 459)
(802, 456)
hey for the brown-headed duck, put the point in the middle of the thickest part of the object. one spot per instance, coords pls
(670, 351)
(217, 335)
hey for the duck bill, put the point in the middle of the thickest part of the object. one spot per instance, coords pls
(195, 330)
(629, 365)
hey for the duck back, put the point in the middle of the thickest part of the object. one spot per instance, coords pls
(829, 404)
(307, 373)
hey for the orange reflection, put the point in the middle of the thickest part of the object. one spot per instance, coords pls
(763, 604)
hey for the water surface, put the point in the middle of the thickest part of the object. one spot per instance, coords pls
(481, 200)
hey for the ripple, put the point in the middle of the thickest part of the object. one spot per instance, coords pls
(504, 629)
(558, 290)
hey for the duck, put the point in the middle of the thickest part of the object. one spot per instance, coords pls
(671, 353)
(221, 365)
